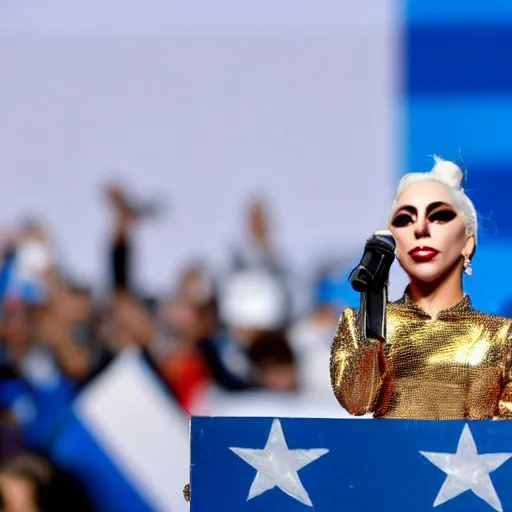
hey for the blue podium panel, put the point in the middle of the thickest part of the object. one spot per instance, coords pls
(300, 465)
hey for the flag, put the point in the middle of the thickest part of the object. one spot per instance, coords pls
(127, 440)
(325, 465)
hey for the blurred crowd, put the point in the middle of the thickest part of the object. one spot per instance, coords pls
(231, 342)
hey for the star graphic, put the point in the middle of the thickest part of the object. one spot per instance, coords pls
(277, 465)
(467, 470)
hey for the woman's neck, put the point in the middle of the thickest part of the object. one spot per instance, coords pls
(437, 296)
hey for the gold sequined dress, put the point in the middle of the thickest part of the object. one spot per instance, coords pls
(456, 366)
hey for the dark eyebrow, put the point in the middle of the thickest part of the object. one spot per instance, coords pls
(433, 206)
(407, 208)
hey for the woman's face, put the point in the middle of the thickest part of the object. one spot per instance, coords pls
(430, 233)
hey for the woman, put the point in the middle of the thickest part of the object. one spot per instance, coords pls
(441, 358)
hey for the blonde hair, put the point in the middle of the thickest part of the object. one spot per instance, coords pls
(451, 175)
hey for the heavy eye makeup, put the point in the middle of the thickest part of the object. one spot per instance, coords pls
(438, 212)
(442, 216)
(402, 219)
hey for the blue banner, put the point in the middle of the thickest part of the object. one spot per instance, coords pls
(456, 99)
(265, 464)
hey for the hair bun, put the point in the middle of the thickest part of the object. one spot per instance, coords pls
(448, 173)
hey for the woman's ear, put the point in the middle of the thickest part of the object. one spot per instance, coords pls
(469, 247)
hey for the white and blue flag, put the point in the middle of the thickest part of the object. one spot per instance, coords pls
(127, 440)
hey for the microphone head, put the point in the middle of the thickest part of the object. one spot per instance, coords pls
(374, 265)
(384, 232)
(384, 239)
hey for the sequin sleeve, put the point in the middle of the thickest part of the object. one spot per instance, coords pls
(505, 402)
(357, 365)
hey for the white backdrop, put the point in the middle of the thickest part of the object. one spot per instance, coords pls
(205, 103)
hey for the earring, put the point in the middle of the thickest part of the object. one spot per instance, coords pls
(467, 265)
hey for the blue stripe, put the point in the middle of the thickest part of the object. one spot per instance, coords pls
(473, 131)
(77, 451)
(458, 11)
(458, 60)
(458, 104)
(489, 188)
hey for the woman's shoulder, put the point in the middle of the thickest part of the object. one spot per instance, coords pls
(492, 326)
(492, 319)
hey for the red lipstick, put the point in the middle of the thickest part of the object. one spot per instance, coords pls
(423, 254)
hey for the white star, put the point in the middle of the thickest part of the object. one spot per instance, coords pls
(278, 466)
(467, 470)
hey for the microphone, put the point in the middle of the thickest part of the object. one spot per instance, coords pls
(372, 271)
(370, 278)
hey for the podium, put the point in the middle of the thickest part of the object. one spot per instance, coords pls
(337, 465)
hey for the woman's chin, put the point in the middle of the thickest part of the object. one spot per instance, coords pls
(425, 275)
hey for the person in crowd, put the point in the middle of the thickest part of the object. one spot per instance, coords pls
(40, 345)
(187, 322)
(251, 303)
(311, 335)
(274, 362)
(259, 251)
(31, 483)
(252, 308)
(125, 319)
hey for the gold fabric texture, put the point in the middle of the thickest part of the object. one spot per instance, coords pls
(457, 366)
